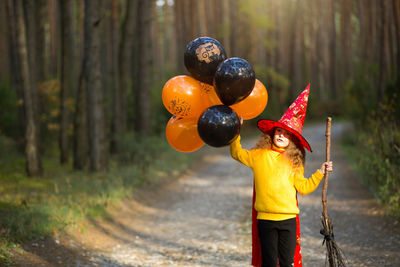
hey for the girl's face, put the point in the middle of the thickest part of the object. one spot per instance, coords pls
(281, 138)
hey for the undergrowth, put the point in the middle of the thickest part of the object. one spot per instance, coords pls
(378, 163)
(33, 208)
(375, 145)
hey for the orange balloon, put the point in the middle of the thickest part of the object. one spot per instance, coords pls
(254, 104)
(182, 134)
(211, 97)
(182, 96)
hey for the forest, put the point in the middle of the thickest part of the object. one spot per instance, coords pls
(81, 80)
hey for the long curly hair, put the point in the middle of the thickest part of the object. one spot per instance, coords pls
(294, 152)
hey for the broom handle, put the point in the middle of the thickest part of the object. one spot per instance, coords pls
(328, 158)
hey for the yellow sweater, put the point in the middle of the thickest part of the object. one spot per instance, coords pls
(276, 182)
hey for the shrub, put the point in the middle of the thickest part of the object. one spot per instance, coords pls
(378, 137)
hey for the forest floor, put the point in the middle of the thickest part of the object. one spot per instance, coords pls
(203, 218)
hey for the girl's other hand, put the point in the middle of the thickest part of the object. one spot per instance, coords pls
(326, 166)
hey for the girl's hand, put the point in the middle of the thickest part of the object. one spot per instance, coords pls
(326, 166)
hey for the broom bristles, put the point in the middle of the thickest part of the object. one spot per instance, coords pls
(334, 255)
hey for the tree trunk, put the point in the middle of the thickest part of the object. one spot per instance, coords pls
(170, 42)
(40, 14)
(106, 61)
(277, 63)
(193, 19)
(181, 31)
(15, 73)
(54, 37)
(301, 48)
(202, 16)
(127, 46)
(33, 162)
(370, 45)
(67, 73)
(346, 43)
(157, 36)
(293, 52)
(81, 149)
(225, 25)
(98, 151)
(38, 64)
(396, 18)
(212, 12)
(317, 52)
(4, 43)
(31, 34)
(332, 50)
(143, 93)
(382, 49)
(389, 41)
(366, 37)
(80, 136)
(116, 121)
(233, 28)
(81, 29)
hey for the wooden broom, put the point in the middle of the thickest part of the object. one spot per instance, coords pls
(334, 256)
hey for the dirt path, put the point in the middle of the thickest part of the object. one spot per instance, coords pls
(364, 233)
(203, 219)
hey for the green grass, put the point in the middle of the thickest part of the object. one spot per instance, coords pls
(379, 162)
(33, 208)
(374, 145)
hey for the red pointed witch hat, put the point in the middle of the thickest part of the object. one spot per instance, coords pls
(292, 120)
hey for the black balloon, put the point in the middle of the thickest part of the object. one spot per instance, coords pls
(202, 57)
(234, 80)
(218, 126)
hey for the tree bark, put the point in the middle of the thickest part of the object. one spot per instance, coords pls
(389, 43)
(40, 15)
(81, 149)
(366, 37)
(170, 42)
(80, 136)
(116, 121)
(67, 73)
(396, 19)
(180, 32)
(371, 44)
(346, 42)
(81, 29)
(126, 52)
(157, 36)
(332, 50)
(202, 16)
(301, 48)
(15, 73)
(54, 38)
(29, 8)
(317, 52)
(98, 151)
(382, 49)
(33, 161)
(233, 28)
(277, 63)
(4, 43)
(193, 19)
(143, 93)
(293, 52)
(225, 25)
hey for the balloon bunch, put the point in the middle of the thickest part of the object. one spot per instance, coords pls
(207, 107)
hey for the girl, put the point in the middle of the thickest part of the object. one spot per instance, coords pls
(277, 162)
